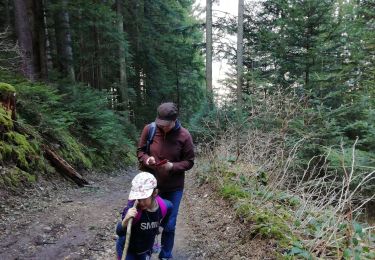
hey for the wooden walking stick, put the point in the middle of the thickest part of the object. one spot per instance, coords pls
(128, 233)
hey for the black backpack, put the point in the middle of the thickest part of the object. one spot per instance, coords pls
(150, 137)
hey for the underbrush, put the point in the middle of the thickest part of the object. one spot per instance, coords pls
(305, 226)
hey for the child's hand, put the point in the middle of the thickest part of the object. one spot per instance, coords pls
(132, 212)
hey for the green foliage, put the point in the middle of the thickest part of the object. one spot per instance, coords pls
(105, 132)
(82, 126)
(323, 58)
(358, 244)
(161, 45)
(211, 122)
(298, 250)
(172, 69)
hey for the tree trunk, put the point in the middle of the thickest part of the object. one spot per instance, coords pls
(123, 86)
(39, 39)
(209, 89)
(97, 70)
(23, 29)
(7, 15)
(82, 49)
(48, 51)
(64, 167)
(140, 73)
(239, 72)
(177, 88)
(64, 41)
(240, 52)
(43, 46)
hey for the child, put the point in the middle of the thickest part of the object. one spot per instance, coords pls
(148, 215)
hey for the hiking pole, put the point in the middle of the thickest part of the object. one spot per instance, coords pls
(128, 233)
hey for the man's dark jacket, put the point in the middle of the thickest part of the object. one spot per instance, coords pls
(175, 146)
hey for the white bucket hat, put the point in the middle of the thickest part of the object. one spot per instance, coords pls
(143, 185)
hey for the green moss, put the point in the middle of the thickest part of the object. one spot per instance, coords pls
(18, 139)
(30, 178)
(14, 177)
(7, 181)
(21, 148)
(268, 218)
(6, 88)
(245, 210)
(24, 153)
(5, 150)
(5, 118)
(269, 225)
(232, 191)
(72, 151)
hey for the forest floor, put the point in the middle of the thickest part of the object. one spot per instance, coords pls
(61, 221)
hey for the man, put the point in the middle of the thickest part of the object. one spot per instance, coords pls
(173, 145)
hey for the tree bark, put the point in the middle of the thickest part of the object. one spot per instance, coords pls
(64, 41)
(41, 39)
(240, 52)
(36, 16)
(123, 86)
(178, 88)
(48, 42)
(97, 70)
(139, 68)
(23, 29)
(7, 15)
(209, 89)
(239, 72)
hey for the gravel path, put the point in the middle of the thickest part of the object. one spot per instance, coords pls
(66, 222)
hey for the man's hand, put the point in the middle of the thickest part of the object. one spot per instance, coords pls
(150, 160)
(167, 166)
(132, 212)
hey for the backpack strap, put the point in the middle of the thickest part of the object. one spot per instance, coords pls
(150, 136)
(162, 206)
(138, 216)
(163, 209)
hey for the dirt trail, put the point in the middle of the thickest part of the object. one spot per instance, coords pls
(66, 222)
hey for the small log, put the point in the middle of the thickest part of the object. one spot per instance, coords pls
(65, 168)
